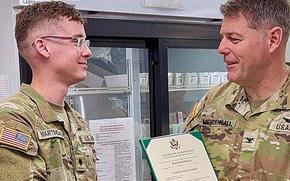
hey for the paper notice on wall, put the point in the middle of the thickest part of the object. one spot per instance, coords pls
(4, 87)
(115, 148)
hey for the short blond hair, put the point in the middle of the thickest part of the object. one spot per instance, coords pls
(38, 14)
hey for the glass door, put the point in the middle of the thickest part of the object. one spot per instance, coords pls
(193, 66)
(191, 72)
(114, 99)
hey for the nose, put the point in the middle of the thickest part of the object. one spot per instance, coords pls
(223, 46)
(87, 53)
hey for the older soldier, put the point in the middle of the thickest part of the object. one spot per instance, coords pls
(41, 136)
(245, 122)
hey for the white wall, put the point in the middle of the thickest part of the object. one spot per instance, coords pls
(9, 64)
(192, 8)
(176, 8)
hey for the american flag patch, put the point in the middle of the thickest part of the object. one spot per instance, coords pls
(14, 138)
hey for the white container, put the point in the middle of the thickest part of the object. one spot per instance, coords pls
(145, 126)
(176, 123)
(204, 79)
(191, 79)
(179, 79)
(116, 80)
(143, 79)
(175, 117)
(170, 78)
(215, 78)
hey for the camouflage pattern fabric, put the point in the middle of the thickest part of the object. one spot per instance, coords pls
(38, 146)
(245, 145)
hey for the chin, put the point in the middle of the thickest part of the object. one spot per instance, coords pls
(82, 76)
(78, 80)
(232, 78)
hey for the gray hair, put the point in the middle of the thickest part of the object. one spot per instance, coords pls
(261, 14)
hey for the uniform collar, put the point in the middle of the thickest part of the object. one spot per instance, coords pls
(238, 100)
(43, 106)
(279, 100)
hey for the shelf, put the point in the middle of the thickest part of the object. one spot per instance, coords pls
(187, 88)
(99, 90)
(124, 90)
(179, 88)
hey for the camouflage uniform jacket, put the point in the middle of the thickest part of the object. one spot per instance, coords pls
(35, 144)
(243, 145)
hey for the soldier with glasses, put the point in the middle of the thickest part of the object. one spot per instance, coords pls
(41, 136)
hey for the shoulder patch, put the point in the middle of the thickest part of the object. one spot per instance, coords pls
(14, 138)
(195, 110)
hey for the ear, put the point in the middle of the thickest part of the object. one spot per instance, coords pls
(41, 47)
(275, 38)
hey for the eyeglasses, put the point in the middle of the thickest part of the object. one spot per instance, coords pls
(79, 42)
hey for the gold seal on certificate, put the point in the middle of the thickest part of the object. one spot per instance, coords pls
(181, 157)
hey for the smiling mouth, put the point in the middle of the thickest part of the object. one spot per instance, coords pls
(231, 63)
(83, 63)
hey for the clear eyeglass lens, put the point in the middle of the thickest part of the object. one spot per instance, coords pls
(87, 42)
(82, 42)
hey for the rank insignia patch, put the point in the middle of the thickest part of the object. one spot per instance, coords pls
(14, 138)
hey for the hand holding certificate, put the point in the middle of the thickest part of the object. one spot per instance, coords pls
(179, 158)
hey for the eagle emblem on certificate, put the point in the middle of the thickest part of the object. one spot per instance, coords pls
(174, 144)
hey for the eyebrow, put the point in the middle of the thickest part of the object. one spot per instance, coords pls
(79, 35)
(231, 34)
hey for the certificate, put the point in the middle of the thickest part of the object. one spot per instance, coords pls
(180, 157)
